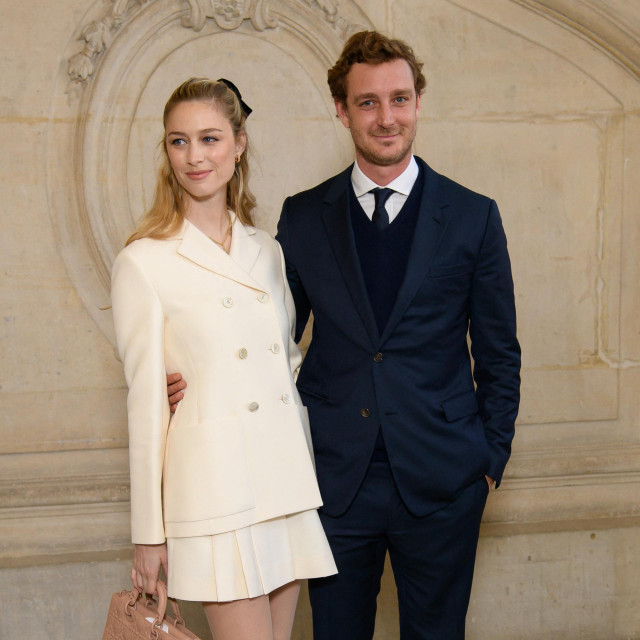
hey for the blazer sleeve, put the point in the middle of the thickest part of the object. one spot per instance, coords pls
(494, 345)
(302, 304)
(139, 327)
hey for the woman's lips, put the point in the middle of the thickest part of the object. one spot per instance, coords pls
(198, 175)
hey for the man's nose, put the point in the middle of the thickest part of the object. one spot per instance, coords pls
(386, 117)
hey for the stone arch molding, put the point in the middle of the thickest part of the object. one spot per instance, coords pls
(101, 84)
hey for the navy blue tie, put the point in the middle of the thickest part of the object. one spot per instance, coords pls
(380, 216)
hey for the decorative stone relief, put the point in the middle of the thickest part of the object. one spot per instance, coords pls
(98, 36)
(229, 14)
(330, 9)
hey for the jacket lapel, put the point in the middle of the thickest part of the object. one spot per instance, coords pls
(340, 232)
(430, 227)
(237, 266)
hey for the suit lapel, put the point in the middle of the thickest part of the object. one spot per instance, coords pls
(430, 227)
(199, 249)
(340, 232)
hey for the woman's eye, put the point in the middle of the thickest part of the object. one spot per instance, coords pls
(176, 142)
(209, 139)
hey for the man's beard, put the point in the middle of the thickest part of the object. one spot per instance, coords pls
(375, 158)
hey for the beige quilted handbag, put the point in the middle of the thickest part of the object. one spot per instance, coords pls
(133, 616)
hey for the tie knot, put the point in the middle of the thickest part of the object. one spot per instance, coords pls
(381, 195)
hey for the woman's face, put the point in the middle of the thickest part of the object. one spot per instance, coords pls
(202, 148)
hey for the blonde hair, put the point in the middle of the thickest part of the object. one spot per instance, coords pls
(167, 212)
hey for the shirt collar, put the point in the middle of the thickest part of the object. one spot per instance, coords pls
(402, 184)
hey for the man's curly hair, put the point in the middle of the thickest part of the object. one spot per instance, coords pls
(371, 47)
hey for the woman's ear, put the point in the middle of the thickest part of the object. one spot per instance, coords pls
(241, 143)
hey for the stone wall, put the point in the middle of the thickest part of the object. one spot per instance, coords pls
(533, 102)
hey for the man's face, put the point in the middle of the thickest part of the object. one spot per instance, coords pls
(381, 112)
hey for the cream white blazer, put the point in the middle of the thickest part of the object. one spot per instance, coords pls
(238, 449)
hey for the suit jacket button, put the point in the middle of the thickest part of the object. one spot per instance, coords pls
(254, 406)
(228, 302)
(286, 398)
(365, 413)
(377, 357)
(275, 347)
(263, 297)
(242, 354)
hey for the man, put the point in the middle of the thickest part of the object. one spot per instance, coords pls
(398, 265)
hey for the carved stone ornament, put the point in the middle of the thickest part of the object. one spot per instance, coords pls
(332, 15)
(229, 14)
(98, 35)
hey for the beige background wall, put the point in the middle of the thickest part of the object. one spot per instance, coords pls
(533, 102)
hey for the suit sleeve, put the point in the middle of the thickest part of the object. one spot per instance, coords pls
(295, 357)
(302, 304)
(139, 326)
(494, 345)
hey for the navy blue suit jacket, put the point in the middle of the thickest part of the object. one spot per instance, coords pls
(415, 380)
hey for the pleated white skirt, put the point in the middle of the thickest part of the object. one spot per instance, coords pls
(249, 562)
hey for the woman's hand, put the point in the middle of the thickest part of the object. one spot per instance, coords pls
(147, 560)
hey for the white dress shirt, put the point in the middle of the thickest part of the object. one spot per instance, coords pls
(401, 186)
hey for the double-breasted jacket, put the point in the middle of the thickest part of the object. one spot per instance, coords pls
(237, 451)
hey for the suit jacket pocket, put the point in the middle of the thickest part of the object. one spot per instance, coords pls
(441, 271)
(312, 393)
(460, 406)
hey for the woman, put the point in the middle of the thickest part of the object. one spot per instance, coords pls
(223, 495)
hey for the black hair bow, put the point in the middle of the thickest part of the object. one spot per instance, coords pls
(245, 107)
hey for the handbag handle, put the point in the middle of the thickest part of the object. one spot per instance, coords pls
(162, 605)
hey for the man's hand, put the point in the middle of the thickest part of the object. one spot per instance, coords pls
(147, 560)
(490, 481)
(175, 386)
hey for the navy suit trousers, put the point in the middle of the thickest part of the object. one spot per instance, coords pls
(432, 559)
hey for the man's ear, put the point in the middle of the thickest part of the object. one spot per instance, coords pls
(341, 112)
(418, 103)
